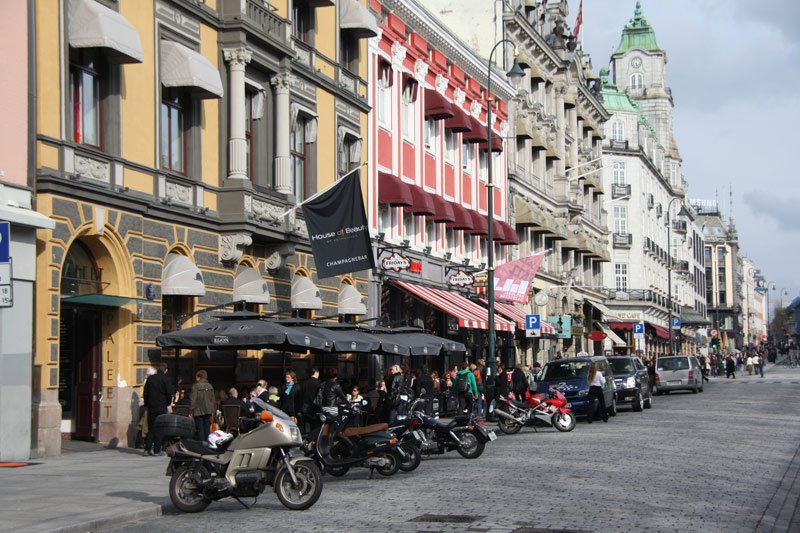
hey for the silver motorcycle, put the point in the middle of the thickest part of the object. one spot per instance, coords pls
(241, 467)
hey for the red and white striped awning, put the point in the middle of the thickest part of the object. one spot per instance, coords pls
(468, 313)
(516, 314)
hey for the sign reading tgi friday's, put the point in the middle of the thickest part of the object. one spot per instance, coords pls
(396, 262)
(461, 279)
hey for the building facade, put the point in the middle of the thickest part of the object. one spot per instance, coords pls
(754, 305)
(656, 247)
(169, 153)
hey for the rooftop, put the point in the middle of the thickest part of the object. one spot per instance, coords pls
(638, 34)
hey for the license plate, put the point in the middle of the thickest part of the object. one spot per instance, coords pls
(569, 406)
(674, 382)
(417, 435)
(492, 435)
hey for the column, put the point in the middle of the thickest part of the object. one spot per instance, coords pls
(283, 164)
(237, 143)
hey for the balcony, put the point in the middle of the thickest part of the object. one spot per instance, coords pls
(679, 226)
(651, 201)
(619, 145)
(681, 267)
(620, 191)
(659, 210)
(622, 240)
(258, 19)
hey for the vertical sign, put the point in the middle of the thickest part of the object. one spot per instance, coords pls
(6, 292)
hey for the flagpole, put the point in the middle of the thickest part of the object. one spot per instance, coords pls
(326, 189)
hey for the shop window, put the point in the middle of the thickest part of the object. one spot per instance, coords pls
(85, 100)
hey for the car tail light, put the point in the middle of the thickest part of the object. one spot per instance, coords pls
(691, 375)
(658, 377)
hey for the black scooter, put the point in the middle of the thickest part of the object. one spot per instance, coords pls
(338, 445)
(463, 434)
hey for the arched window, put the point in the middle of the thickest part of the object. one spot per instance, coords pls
(636, 81)
(617, 131)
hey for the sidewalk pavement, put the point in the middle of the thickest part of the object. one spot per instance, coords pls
(88, 487)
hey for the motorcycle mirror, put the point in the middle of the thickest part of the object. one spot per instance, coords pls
(266, 416)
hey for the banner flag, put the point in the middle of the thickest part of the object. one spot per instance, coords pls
(512, 281)
(578, 21)
(338, 230)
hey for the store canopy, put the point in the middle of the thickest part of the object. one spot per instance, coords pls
(661, 331)
(418, 342)
(690, 317)
(357, 20)
(436, 106)
(615, 339)
(460, 122)
(607, 313)
(393, 191)
(497, 144)
(26, 217)
(181, 277)
(444, 210)
(305, 295)
(509, 234)
(516, 314)
(90, 24)
(480, 224)
(468, 313)
(248, 285)
(183, 67)
(478, 132)
(462, 217)
(622, 326)
(350, 301)
(423, 202)
(100, 300)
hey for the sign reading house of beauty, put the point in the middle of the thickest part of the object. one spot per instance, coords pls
(461, 279)
(396, 262)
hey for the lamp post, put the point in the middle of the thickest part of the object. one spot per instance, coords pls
(669, 266)
(769, 323)
(514, 75)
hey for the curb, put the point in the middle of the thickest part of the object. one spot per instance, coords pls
(780, 513)
(98, 524)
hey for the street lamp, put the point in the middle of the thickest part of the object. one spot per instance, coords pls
(681, 213)
(515, 75)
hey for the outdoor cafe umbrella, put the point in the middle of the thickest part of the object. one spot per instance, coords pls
(385, 344)
(421, 343)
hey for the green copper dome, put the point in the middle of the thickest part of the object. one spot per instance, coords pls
(638, 34)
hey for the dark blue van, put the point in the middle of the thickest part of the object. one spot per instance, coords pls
(569, 376)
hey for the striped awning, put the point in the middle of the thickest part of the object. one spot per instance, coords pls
(468, 313)
(516, 314)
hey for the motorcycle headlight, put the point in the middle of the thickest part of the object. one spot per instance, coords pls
(294, 432)
(584, 392)
(630, 382)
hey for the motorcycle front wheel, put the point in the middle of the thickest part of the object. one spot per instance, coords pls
(305, 492)
(185, 492)
(413, 457)
(392, 464)
(509, 427)
(471, 447)
(564, 421)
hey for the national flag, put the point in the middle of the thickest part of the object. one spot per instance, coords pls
(578, 21)
(338, 230)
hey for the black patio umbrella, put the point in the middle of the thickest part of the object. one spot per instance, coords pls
(380, 344)
(343, 340)
(421, 343)
(251, 332)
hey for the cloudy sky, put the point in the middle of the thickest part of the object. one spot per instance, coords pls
(733, 66)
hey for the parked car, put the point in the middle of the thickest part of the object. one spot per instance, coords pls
(678, 372)
(631, 381)
(570, 377)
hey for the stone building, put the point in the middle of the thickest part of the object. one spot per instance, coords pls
(170, 139)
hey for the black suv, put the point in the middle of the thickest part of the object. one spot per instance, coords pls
(631, 381)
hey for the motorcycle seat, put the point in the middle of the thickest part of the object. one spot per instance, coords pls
(520, 403)
(197, 446)
(356, 431)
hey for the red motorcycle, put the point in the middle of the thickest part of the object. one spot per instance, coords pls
(539, 410)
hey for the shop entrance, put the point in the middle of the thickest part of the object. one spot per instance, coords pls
(79, 371)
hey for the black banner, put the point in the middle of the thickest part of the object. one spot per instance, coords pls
(338, 230)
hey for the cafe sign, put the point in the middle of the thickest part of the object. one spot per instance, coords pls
(396, 262)
(461, 279)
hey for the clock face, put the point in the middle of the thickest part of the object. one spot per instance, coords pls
(762, 283)
(636, 62)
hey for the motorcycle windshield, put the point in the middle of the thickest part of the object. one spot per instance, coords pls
(272, 409)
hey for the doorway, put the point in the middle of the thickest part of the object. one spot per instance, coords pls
(79, 371)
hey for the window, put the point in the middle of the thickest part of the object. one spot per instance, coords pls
(620, 220)
(469, 245)
(619, 173)
(349, 52)
(467, 155)
(349, 153)
(431, 134)
(384, 93)
(249, 129)
(636, 81)
(483, 164)
(409, 108)
(385, 219)
(297, 146)
(84, 84)
(409, 227)
(450, 236)
(449, 145)
(617, 131)
(303, 18)
(173, 130)
(432, 234)
(621, 276)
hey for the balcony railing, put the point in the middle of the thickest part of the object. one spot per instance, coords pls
(622, 240)
(620, 191)
(619, 145)
(679, 226)
(680, 266)
(256, 15)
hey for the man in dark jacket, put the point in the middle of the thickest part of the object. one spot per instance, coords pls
(203, 405)
(519, 383)
(309, 392)
(157, 394)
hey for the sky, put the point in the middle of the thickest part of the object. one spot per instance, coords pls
(733, 66)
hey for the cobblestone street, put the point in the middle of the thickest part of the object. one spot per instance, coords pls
(717, 461)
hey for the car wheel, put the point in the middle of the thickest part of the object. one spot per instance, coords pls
(638, 402)
(701, 389)
(648, 403)
(694, 389)
(612, 411)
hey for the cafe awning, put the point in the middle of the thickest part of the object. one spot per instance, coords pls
(181, 277)
(357, 19)
(305, 295)
(423, 203)
(444, 210)
(478, 132)
(509, 234)
(183, 67)
(350, 301)
(497, 144)
(480, 224)
(437, 107)
(468, 313)
(393, 191)
(90, 24)
(248, 285)
(518, 315)
(462, 216)
(459, 122)
(615, 339)
(100, 300)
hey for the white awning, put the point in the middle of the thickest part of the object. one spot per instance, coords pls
(357, 19)
(351, 302)
(93, 25)
(183, 67)
(607, 313)
(181, 277)
(248, 285)
(26, 217)
(305, 295)
(613, 337)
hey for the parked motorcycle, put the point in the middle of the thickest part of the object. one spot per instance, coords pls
(238, 467)
(409, 440)
(463, 434)
(338, 445)
(538, 410)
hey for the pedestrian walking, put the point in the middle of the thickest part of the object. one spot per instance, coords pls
(596, 381)
(158, 392)
(394, 387)
(749, 365)
(730, 367)
(519, 382)
(761, 363)
(203, 405)
(467, 390)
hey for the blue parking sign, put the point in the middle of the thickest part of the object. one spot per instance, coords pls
(638, 328)
(533, 322)
(676, 322)
(5, 242)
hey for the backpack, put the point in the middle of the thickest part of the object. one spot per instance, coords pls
(462, 383)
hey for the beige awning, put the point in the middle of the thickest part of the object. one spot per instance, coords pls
(183, 67)
(93, 25)
(305, 295)
(181, 277)
(351, 302)
(248, 285)
(357, 19)
(615, 339)
(607, 313)
(523, 128)
(526, 214)
(26, 217)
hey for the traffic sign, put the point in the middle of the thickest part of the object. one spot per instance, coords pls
(713, 333)
(638, 328)
(533, 322)
(676, 322)
(5, 242)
